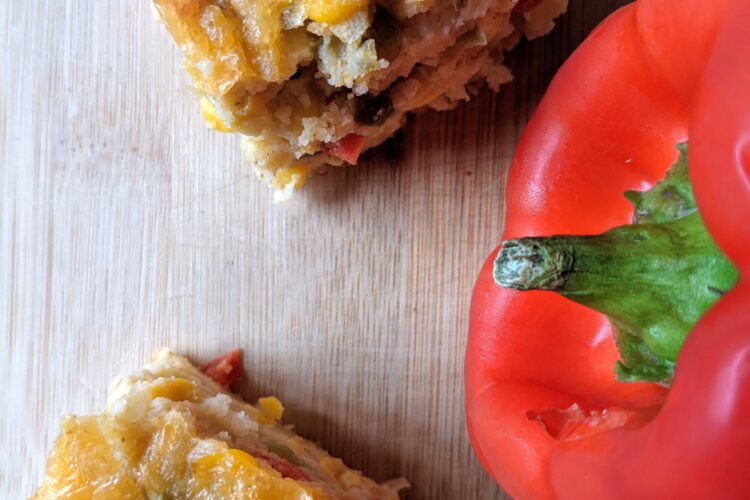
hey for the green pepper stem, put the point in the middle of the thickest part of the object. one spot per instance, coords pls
(653, 278)
(654, 281)
(532, 264)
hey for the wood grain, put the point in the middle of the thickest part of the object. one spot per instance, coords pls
(127, 225)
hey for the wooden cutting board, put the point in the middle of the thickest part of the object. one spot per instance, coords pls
(127, 225)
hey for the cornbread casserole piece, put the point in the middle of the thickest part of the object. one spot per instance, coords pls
(169, 431)
(315, 82)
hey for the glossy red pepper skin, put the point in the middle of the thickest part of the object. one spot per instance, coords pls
(225, 369)
(608, 123)
(348, 148)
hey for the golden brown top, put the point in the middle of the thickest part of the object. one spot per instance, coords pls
(236, 49)
(171, 432)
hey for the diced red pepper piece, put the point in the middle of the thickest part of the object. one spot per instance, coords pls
(347, 148)
(225, 369)
(283, 467)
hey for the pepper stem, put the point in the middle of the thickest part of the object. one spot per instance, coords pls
(652, 280)
(530, 264)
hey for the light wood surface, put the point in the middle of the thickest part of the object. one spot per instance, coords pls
(127, 225)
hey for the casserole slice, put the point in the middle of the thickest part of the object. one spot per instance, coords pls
(170, 431)
(309, 83)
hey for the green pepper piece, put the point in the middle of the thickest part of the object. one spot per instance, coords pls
(385, 29)
(371, 109)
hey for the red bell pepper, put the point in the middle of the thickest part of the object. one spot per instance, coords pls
(347, 148)
(545, 413)
(225, 369)
(282, 466)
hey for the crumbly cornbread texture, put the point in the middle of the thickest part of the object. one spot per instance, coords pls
(169, 431)
(314, 82)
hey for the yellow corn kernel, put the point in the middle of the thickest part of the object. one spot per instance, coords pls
(241, 459)
(272, 407)
(211, 117)
(176, 389)
(296, 176)
(205, 467)
(333, 11)
(209, 467)
(332, 466)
